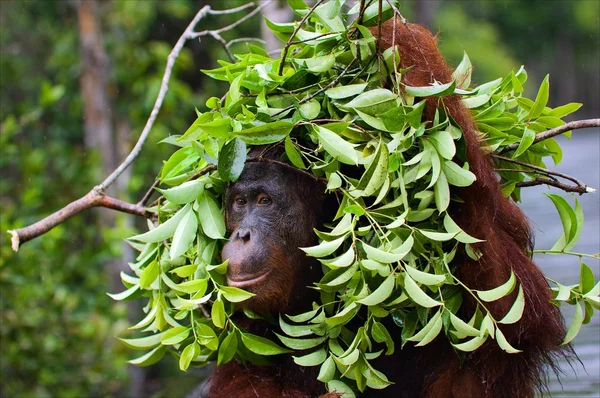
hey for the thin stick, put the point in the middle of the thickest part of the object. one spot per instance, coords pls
(148, 193)
(289, 42)
(164, 87)
(540, 169)
(574, 125)
(547, 181)
(95, 198)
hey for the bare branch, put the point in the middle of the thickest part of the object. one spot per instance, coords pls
(148, 193)
(164, 87)
(550, 179)
(565, 187)
(540, 170)
(195, 35)
(290, 40)
(577, 124)
(95, 198)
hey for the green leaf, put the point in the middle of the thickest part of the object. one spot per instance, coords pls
(417, 295)
(267, 133)
(124, 295)
(310, 110)
(435, 89)
(175, 335)
(184, 234)
(541, 99)
(424, 277)
(312, 359)
(191, 287)
(184, 193)
(301, 344)
(261, 346)
(317, 64)
(516, 311)
(382, 292)
(441, 191)
(211, 218)
(472, 344)
(456, 175)
(150, 358)
(501, 291)
(443, 143)
(565, 110)
(217, 313)
(462, 73)
(432, 325)
(388, 257)
(143, 343)
(232, 159)
(227, 348)
(575, 324)
(433, 332)
(189, 353)
(438, 236)
(234, 294)
(376, 173)
(149, 274)
(334, 181)
(342, 261)
(341, 92)
(294, 330)
(463, 328)
(340, 387)
(381, 335)
(504, 344)
(526, 141)
(569, 222)
(586, 279)
(165, 230)
(293, 154)
(343, 316)
(324, 248)
(336, 146)
(327, 371)
(374, 101)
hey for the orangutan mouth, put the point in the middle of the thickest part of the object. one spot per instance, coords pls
(246, 281)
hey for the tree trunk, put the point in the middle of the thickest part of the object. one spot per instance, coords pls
(99, 136)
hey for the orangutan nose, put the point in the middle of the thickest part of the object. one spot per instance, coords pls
(242, 234)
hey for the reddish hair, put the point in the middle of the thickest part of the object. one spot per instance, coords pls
(485, 214)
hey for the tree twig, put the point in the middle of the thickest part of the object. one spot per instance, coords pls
(148, 193)
(291, 39)
(95, 198)
(550, 179)
(547, 181)
(540, 169)
(574, 125)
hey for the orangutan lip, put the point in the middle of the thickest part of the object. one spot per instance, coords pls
(247, 282)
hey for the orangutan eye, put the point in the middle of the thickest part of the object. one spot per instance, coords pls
(265, 200)
(240, 202)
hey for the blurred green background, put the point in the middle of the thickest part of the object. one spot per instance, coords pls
(57, 325)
